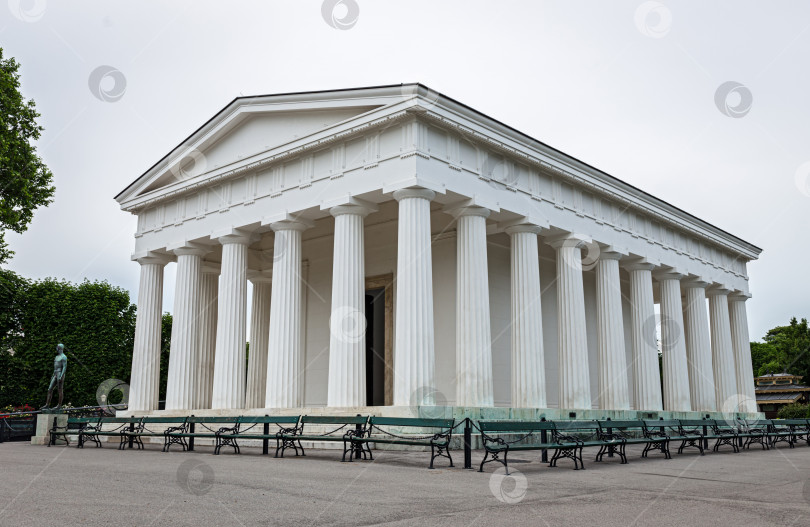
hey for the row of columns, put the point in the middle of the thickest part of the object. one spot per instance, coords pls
(704, 364)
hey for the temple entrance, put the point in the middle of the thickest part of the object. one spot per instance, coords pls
(379, 325)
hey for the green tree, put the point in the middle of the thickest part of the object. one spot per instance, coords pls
(94, 320)
(25, 181)
(784, 349)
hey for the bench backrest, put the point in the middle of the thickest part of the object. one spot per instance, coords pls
(789, 422)
(213, 419)
(650, 424)
(444, 424)
(82, 420)
(162, 420)
(270, 419)
(754, 423)
(334, 419)
(514, 426)
(621, 425)
(119, 420)
(574, 426)
(692, 423)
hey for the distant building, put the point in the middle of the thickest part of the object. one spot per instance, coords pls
(778, 389)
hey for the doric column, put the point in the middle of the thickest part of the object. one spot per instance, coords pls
(673, 345)
(528, 372)
(473, 338)
(614, 392)
(347, 324)
(229, 359)
(738, 317)
(208, 336)
(575, 384)
(145, 378)
(284, 345)
(184, 354)
(646, 376)
(259, 336)
(698, 347)
(725, 380)
(414, 360)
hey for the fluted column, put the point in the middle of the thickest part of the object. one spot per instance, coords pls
(145, 378)
(208, 337)
(473, 338)
(738, 317)
(528, 372)
(347, 324)
(614, 391)
(725, 380)
(698, 347)
(229, 358)
(575, 384)
(646, 376)
(673, 345)
(414, 359)
(256, 390)
(184, 354)
(284, 345)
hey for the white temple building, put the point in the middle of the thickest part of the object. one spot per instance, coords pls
(406, 250)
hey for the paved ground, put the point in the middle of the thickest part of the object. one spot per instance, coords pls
(58, 485)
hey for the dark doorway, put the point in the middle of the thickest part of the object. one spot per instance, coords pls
(375, 347)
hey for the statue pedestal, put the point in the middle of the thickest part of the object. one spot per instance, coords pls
(44, 425)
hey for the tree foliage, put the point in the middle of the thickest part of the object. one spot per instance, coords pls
(794, 411)
(25, 181)
(784, 349)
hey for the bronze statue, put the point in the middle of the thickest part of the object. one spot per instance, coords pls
(58, 378)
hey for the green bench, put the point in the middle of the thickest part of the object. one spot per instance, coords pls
(566, 438)
(185, 433)
(722, 432)
(439, 431)
(72, 427)
(141, 428)
(94, 430)
(351, 426)
(244, 429)
(789, 430)
(756, 431)
(675, 430)
(634, 433)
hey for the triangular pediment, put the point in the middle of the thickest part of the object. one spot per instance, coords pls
(254, 134)
(250, 126)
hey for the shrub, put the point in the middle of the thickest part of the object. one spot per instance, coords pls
(794, 411)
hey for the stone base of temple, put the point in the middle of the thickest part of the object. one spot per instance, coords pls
(456, 412)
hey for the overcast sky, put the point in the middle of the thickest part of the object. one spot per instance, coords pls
(630, 87)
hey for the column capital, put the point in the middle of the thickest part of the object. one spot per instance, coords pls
(739, 296)
(694, 282)
(414, 192)
(638, 264)
(152, 258)
(523, 227)
(291, 225)
(457, 211)
(351, 208)
(210, 268)
(226, 236)
(568, 239)
(717, 290)
(667, 274)
(188, 248)
(611, 255)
